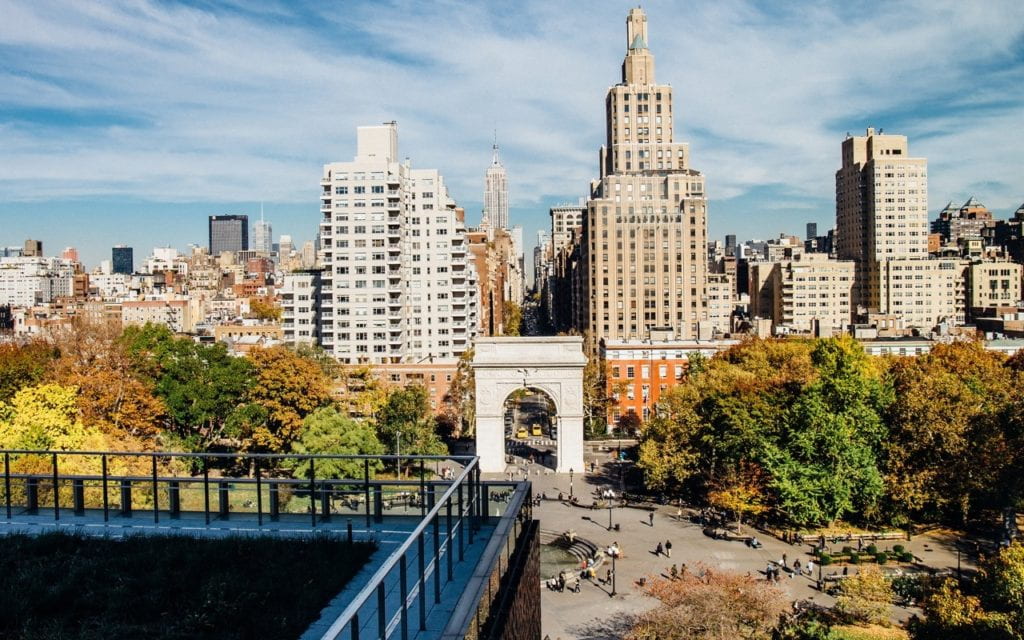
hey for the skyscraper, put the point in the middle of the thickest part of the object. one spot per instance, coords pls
(496, 192)
(122, 259)
(812, 231)
(262, 235)
(645, 230)
(881, 210)
(229, 233)
(397, 284)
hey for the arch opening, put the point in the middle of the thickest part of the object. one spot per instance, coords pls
(530, 419)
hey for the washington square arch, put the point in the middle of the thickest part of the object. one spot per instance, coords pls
(552, 365)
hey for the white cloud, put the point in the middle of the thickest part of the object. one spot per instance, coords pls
(241, 107)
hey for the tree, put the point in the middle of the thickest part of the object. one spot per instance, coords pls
(264, 309)
(742, 492)
(595, 396)
(407, 417)
(708, 604)
(951, 614)
(824, 462)
(629, 424)
(512, 318)
(46, 416)
(94, 359)
(362, 394)
(865, 597)
(200, 385)
(669, 450)
(460, 407)
(328, 431)
(288, 387)
(947, 441)
(23, 366)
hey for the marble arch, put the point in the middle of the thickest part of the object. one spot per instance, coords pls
(552, 364)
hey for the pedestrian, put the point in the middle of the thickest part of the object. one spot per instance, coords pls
(679, 514)
(608, 577)
(796, 565)
(682, 570)
(668, 548)
(674, 572)
(591, 466)
(810, 567)
(658, 550)
(785, 561)
(650, 519)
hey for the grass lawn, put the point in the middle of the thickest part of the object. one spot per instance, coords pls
(169, 587)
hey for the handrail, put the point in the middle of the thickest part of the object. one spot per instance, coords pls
(370, 589)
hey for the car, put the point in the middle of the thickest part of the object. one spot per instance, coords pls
(521, 433)
(535, 430)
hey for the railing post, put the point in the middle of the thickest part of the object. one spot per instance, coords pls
(206, 492)
(325, 501)
(106, 496)
(275, 501)
(174, 498)
(437, 559)
(382, 622)
(312, 489)
(259, 493)
(403, 590)
(7, 482)
(462, 525)
(223, 503)
(56, 490)
(126, 498)
(32, 495)
(355, 626)
(78, 495)
(449, 541)
(366, 488)
(378, 503)
(156, 496)
(423, 489)
(423, 581)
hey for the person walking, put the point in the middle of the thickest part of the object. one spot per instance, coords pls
(650, 519)
(658, 550)
(674, 572)
(668, 548)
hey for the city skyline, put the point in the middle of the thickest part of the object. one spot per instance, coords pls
(224, 126)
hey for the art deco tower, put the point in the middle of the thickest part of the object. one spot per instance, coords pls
(496, 193)
(645, 227)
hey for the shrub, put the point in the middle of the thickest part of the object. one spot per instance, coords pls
(906, 556)
(825, 559)
(847, 549)
(882, 557)
(854, 558)
(898, 548)
(872, 549)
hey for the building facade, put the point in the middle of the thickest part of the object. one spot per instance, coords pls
(263, 237)
(122, 260)
(496, 193)
(397, 285)
(645, 229)
(228, 233)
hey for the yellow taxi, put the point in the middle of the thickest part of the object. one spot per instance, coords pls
(521, 433)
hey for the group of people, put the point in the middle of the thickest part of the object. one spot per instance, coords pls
(774, 570)
(664, 549)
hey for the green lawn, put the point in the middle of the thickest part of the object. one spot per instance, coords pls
(169, 587)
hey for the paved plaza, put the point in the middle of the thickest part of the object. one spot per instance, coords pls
(588, 613)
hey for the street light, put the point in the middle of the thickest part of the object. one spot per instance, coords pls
(611, 505)
(398, 452)
(570, 484)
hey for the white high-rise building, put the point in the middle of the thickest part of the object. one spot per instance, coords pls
(262, 236)
(26, 281)
(397, 286)
(496, 193)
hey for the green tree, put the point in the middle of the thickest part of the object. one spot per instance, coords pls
(328, 431)
(406, 417)
(669, 450)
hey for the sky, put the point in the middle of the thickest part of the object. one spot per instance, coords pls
(131, 122)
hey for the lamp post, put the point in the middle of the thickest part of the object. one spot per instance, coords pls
(958, 541)
(611, 505)
(398, 452)
(612, 594)
(570, 484)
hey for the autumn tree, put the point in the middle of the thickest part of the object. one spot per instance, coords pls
(328, 431)
(460, 408)
(23, 365)
(264, 309)
(865, 597)
(512, 318)
(94, 359)
(742, 492)
(287, 387)
(946, 446)
(669, 452)
(596, 399)
(362, 393)
(709, 604)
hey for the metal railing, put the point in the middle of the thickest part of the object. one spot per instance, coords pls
(390, 605)
(126, 484)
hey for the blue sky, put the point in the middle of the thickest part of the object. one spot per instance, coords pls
(130, 122)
